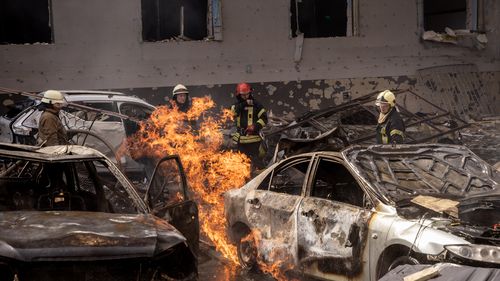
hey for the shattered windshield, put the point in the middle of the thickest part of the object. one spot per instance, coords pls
(399, 174)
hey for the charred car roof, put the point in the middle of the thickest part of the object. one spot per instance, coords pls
(52, 153)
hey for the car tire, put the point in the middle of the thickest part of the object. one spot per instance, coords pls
(392, 258)
(247, 252)
(401, 261)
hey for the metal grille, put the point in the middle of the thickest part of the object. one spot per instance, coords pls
(458, 88)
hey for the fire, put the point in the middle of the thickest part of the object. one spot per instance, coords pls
(210, 170)
(277, 263)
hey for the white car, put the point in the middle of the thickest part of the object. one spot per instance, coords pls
(357, 214)
(101, 131)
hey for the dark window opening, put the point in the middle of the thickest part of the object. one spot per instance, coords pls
(320, 18)
(439, 14)
(25, 21)
(183, 19)
(333, 181)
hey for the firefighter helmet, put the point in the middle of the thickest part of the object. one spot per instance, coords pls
(52, 97)
(386, 97)
(243, 88)
(179, 89)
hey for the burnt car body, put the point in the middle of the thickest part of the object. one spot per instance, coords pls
(356, 214)
(68, 213)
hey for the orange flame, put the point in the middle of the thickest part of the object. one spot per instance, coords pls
(210, 170)
(278, 266)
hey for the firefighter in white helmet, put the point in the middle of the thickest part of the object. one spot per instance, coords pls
(390, 127)
(180, 96)
(50, 128)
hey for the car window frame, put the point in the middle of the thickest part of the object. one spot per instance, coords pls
(119, 105)
(114, 108)
(368, 201)
(287, 163)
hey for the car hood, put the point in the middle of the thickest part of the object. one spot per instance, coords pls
(402, 172)
(49, 236)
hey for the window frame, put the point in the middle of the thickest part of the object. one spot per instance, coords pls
(352, 26)
(474, 20)
(50, 25)
(368, 203)
(285, 165)
(213, 25)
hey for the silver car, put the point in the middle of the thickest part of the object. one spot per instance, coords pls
(357, 214)
(104, 132)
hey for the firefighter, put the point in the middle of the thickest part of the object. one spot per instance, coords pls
(50, 128)
(180, 96)
(390, 128)
(250, 117)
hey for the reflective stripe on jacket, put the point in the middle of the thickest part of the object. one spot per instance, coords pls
(392, 129)
(246, 115)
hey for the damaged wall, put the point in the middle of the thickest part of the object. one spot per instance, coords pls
(293, 98)
(98, 45)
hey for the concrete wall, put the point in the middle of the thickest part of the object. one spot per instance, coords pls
(97, 45)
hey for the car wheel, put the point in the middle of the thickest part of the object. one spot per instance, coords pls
(393, 257)
(247, 252)
(402, 260)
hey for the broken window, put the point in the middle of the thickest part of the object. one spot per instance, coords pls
(323, 18)
(180, 19)
(290, 178)
(454, 14)
(333, 181)
(26, 21)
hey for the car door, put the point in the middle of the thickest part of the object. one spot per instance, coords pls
(271, 208)
(169, 198)
(333, 221)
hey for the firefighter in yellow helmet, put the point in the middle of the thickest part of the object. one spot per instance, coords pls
(390, 127)
(250, 118)
(50, 128)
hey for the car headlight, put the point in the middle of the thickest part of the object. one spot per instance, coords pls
(480, 253)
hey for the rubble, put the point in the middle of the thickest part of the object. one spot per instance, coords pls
(334, 128)
(483, 138)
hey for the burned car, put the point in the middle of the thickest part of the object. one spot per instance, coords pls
(359, 213)
(68, 213)
(96, 119)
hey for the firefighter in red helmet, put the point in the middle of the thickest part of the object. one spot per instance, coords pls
(250, 117)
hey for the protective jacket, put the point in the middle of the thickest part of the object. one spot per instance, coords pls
(50, 129)
(390, 128)
(183, 107)
(250, 119)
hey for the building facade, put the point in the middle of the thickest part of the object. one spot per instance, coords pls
(299, 55)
